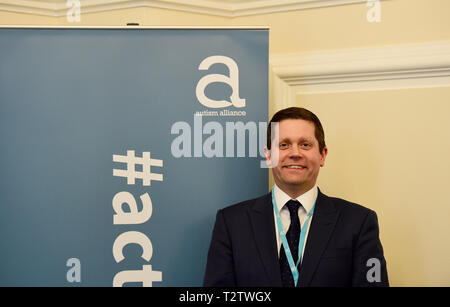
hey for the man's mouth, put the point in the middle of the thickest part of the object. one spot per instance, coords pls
(295, 166)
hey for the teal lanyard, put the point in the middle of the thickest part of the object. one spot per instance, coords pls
(301, 243)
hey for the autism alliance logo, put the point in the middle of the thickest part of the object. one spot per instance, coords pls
(228, 139)
(232, 80)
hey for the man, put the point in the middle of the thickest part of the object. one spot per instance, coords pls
(296, 235)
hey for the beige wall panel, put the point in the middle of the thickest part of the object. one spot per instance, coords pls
(346, 26)
(388, 150)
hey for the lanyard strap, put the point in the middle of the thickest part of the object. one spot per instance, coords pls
(285, 243)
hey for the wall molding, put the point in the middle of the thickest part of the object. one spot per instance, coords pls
(380, 68)
(209, 7)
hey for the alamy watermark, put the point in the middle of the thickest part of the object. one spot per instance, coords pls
(74, 273)
(208, 140)
(74, 12)
(374, 273)
(374, 13)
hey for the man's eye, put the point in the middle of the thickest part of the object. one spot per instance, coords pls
(284, 145)
(306, 145)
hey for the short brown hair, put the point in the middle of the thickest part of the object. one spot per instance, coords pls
(298, 113)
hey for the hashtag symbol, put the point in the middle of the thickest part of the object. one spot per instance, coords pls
(131, 174)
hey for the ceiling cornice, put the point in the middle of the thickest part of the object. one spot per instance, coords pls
(366, 69)
(209, 7)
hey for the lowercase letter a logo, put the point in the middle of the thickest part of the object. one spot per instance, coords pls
(232, 80)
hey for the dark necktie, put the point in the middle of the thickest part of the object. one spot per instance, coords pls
(293, 237)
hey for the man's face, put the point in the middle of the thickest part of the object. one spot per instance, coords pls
(299, 157)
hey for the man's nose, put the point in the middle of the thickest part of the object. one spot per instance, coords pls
(295, 152)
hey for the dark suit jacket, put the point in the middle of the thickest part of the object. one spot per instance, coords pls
(342, 238)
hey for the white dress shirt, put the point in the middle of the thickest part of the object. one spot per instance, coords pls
(307, 200)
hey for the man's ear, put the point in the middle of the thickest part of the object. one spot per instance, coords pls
(323, 156)
(271, 156)
(267, 154)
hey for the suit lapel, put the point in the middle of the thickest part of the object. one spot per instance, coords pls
(263, 225)
(322, 226)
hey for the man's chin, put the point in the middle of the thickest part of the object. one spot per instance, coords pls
(301, 185)
(293, 184)
(295, 181)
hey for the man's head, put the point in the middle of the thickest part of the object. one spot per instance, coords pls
(301, 150)
(298, 113)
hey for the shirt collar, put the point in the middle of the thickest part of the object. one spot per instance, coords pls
(307, 199)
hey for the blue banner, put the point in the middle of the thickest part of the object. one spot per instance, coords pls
(118, 146)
